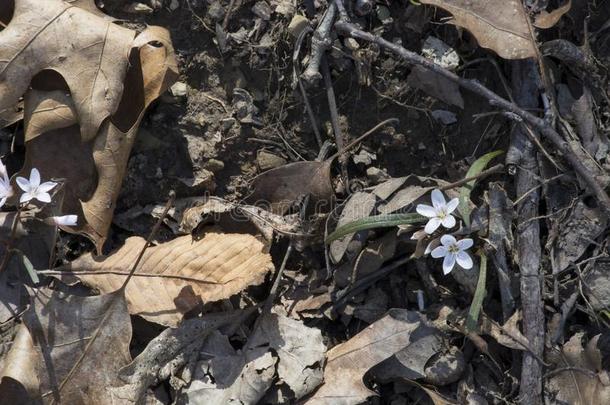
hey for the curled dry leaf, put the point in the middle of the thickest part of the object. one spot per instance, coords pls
(88, 95)
(18, 378)
(500, 25)
(175, 277)
(79, 345)
(347, 363)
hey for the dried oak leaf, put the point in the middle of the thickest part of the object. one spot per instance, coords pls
(90, 53)
(578, 378)
(175, 277)
(347, 363)
(79, 345)
(88, 95)
(500, 25)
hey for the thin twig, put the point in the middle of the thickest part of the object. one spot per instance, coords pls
(492, 170)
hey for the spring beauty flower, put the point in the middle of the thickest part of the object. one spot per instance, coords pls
(453, 251)
(64, 220)
(439, 213)
(32, 189)
(6, 190)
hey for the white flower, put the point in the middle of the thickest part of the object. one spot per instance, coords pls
(32, 189)
(6, 190)
(439, 213)
(64, 220)
(453, 251)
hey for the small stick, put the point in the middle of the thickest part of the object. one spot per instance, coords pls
(151, 235)
(492, 170)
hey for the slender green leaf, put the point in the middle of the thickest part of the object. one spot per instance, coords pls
(477, 167)
(479, 295)
(29, 267)
(375, 221)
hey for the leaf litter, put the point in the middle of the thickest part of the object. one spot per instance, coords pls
(279, 275)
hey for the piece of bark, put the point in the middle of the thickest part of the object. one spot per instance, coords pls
(525, 91)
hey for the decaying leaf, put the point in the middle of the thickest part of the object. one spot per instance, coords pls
(168, 352)
(576, 234)
(175, 277)
(436, 86)
(348, 362)
(94, 85)
(280, 188)
(225, 375)
(499, 25)
(300, 351)
(577, 379)
(281, 350)
(80, 343)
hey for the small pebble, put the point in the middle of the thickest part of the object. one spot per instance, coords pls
(138, 8)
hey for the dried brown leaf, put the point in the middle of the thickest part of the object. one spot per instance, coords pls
(281, 187)
(575, 379)
(91, 57)
(95, 85)
(175, 277)
(348, 362)
(500, 25)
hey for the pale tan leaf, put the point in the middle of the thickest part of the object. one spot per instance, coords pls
(348, 362)
(91, 56)
(500, 25)
(46, 111)
(176, 276)
(546, 19)
(18, 380)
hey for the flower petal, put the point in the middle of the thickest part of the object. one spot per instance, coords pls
(448, 222)
(2, 201)
(464, 260)
(448, 263)
(438, 199)
(43, 197)
(23, 183)
(25, 197)
(452, 205)
(65, 220)
(432, 225)
(440, 251)
(426, 210)
(465, 243)
(46, 186)
(448, 240)
(34, 178)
